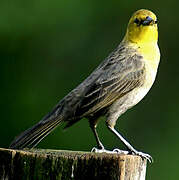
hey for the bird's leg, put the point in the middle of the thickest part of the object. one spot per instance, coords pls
(127, 144)
(100, 148)
(99, 144)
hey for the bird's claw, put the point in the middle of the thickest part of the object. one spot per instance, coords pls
(143, 155)
(115, 151)
(119, 151)
(96, 150)
(135, 152)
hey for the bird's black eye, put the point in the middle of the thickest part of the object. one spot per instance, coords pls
(156, 21)
(136, 21)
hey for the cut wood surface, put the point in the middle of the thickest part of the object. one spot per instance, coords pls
(40, 164)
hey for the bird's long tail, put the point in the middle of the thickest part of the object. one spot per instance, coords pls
(32, 136)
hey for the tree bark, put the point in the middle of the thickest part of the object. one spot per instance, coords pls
(40, 164)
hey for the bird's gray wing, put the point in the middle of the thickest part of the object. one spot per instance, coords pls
(116, 76)
(121, 72)
(115, 82)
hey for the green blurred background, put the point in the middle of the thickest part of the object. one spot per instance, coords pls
(48, 47)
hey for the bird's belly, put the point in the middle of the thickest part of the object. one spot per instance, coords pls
(136, 95)
(133, 97)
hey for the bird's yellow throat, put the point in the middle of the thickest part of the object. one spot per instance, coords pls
(142, 34)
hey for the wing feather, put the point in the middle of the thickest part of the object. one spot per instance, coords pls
(104, 92)
(121, 72)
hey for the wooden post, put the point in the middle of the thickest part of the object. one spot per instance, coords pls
(40, 164)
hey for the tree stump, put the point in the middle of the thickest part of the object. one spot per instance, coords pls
(40, 164)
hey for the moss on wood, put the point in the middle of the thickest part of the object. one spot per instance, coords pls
(39, 164)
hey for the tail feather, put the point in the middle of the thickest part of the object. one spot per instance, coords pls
(32, 136)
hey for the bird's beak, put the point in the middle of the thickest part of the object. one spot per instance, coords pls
(148, 21)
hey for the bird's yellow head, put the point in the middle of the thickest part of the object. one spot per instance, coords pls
(142, 27)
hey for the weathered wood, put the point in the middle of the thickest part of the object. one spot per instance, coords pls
(38, 164)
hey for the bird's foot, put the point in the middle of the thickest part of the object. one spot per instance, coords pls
(96, 150)
(115, 151)
(142, 155)
(135, 152)
(119, 151)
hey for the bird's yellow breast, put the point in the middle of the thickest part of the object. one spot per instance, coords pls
(151, 58)
(150, 53)
(142, 35)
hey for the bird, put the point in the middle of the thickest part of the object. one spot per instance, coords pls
(120, 82)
